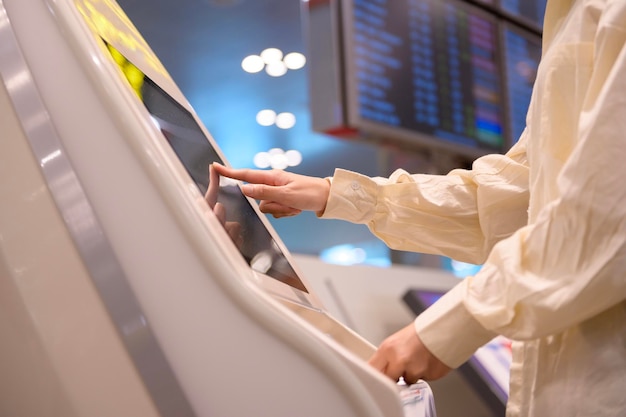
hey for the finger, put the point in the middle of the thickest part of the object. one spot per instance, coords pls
(281, 215)
(386, 364)
(252, 176)
(378, 361)
(273, 193)
(278, 210)
(410, 378)
(214, 186)
(394, 370)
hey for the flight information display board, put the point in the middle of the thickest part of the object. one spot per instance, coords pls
(522, 52)
(429, 69)
(530, 12)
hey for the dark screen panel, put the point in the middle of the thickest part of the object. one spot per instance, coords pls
(522, 52)
(527, 11)
(429, 67)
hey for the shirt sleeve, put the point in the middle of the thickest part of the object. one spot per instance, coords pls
(460, 215)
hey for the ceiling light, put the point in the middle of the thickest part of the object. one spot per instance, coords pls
(266, 117)
(275, 63)
(262, 160)
(252, 64)
(294, 60)
(276, 69)
(285, 120)
(276, 158)
(293, 158)
(271, 55)
(279, 161)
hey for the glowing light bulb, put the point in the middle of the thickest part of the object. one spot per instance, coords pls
(294, 158)
(272, 55)
(252, 64)
(294, 60)
(262, 160)
(279, 161)
(285, 120)
(266, 117)
(276, 69)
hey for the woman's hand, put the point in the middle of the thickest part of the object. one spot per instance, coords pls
(281, 193)
(404, 355)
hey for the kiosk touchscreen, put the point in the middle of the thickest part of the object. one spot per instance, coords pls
(185, 136)
(133, 282)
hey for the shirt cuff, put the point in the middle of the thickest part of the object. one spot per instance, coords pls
(352, 197)
(449, 331)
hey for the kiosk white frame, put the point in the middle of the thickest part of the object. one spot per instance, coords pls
(120, 292)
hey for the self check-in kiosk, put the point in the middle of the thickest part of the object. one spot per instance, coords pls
(122, 293)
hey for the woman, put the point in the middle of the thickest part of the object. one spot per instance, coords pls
(548, 220)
